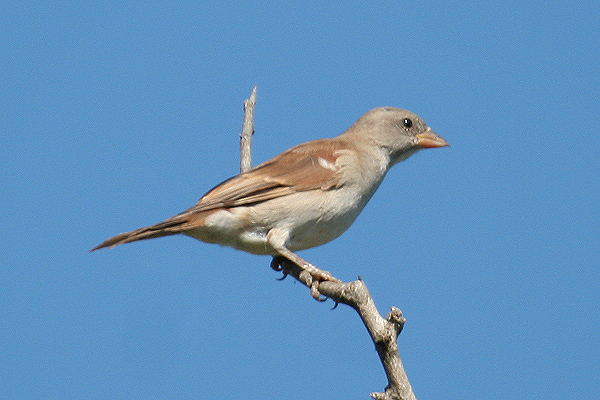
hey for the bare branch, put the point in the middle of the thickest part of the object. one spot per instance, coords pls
(384, 331)
(247, 132)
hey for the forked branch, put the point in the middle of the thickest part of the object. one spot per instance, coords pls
(384, 331)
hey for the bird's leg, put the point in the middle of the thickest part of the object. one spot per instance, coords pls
(310, 275)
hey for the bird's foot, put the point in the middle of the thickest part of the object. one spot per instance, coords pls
(309, 274)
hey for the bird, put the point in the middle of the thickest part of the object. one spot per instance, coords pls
(302, 198)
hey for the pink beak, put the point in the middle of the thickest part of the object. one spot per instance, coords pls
(430, 139)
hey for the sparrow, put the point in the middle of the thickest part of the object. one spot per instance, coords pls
(304, 197)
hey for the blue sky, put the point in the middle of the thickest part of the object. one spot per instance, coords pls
(116, 115)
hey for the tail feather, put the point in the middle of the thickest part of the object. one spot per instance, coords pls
(169, 227)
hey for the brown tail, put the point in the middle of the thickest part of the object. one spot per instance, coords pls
(169, 227)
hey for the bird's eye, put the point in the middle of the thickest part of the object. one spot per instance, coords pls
(407, 122)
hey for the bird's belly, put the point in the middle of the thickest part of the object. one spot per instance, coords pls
(309, 221)
(230, 227)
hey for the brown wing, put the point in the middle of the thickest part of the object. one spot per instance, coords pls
(309, 166)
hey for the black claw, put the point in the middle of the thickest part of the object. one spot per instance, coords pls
(337, 303)
(282, 277)
(276, 264)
